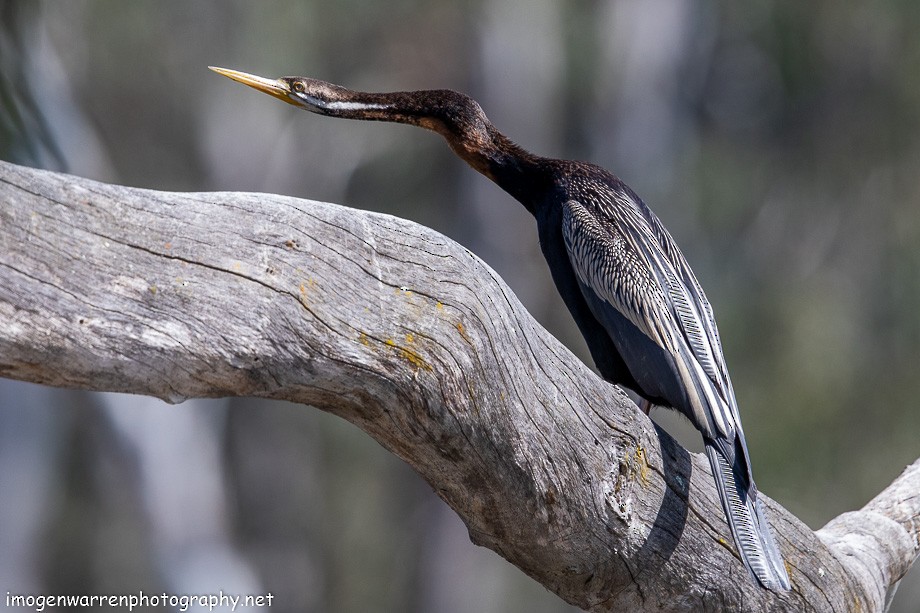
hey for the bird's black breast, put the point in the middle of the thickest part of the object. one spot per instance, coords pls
(652, 370)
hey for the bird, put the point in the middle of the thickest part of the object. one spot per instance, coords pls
(634, 298)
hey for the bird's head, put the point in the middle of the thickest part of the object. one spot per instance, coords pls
(310, 94)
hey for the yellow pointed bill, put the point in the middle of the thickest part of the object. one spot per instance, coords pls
(273, 87)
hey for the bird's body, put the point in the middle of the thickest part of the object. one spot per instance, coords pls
(646, 320)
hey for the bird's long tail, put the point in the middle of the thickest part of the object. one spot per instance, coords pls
(744, 512)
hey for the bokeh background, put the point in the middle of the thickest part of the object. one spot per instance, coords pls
(778, 140)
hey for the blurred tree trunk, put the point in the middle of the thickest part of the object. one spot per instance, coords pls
(412, 338)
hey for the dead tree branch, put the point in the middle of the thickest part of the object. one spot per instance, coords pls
(405, 333)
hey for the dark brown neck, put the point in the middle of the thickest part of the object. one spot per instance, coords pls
(456, 117)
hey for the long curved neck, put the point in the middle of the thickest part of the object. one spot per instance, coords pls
(456, 117)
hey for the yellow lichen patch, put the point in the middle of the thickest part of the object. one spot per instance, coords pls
(439, 306)
(642, 465)
(152, 289)
(633, 467)
(364, 340)
(408, 355)
(410, 338)
(462, 332)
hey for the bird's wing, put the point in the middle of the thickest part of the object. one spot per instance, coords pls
(626, 267)
(627, 262)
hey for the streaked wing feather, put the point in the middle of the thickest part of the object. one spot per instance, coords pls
(606, 263)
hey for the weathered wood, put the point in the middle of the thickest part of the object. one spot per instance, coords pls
(405, 333)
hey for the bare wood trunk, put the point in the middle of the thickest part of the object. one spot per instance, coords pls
(405, 333)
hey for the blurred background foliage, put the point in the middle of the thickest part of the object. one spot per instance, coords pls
(778, 140)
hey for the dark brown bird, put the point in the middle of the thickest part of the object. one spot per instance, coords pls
(640, 308)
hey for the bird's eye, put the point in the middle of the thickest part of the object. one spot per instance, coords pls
(299, 87)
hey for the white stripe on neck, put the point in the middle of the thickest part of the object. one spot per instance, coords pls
(344, 105)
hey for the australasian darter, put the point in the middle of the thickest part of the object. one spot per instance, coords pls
(646, 320)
